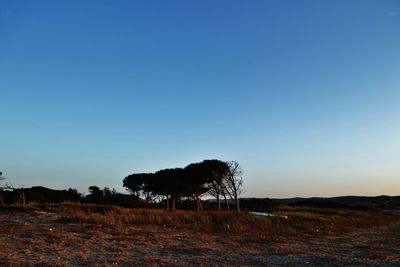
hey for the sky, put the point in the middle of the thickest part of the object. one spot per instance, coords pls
(305, 95)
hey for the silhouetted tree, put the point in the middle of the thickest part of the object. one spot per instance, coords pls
(215, 171)
(233, 181)
(107, 193)
(141, 184)
(21, 192)
(196, 182)
(215, 177)
(94, 190)
(170, 183)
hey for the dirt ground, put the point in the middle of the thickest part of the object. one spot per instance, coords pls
(40, 238)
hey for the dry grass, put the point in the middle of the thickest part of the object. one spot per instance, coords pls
(72, 234)
(118, 217)
(289, 221)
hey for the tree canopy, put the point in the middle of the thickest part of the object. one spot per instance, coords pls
(213, 177)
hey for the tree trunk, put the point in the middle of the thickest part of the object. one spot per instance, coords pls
(172, 199)
(23, 198)
(201, 205)
(167, 200)
(173, 203)
(226, 201)
(237, 203)
(219, 202)
(198, 202)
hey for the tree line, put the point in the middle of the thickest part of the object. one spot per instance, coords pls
(219, 179)
(43, 195)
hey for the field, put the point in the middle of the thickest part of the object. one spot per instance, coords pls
(91, 235)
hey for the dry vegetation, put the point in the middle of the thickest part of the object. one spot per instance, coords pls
(73, 234)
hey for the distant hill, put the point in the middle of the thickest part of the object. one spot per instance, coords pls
(383, 199)
(348, 202)
(345, 200)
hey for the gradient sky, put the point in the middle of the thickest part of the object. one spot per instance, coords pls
(305, 95)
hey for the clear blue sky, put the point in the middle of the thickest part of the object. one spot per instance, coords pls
(305, 95)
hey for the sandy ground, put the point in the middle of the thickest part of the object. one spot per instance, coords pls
(42, 239)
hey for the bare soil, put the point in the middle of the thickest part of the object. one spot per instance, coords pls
(38, 238)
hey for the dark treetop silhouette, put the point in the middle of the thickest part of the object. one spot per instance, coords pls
(213, 177)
